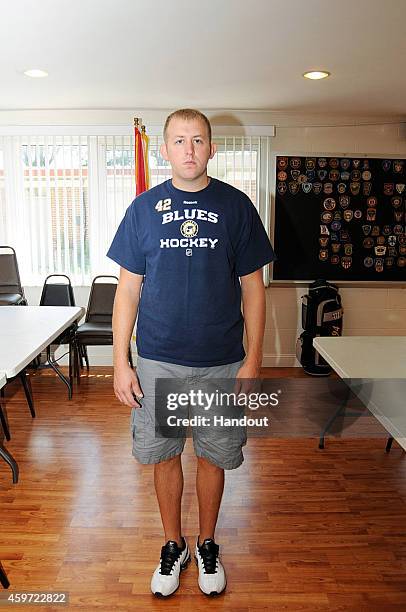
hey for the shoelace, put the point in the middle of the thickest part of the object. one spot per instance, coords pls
(209, 554)
(170, 553)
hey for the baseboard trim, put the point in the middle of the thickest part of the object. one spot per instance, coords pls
(104, 358)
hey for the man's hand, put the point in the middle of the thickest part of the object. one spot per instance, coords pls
(126, 385)
(247, 378)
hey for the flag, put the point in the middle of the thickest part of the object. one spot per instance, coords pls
(140, 179)
(145, 143)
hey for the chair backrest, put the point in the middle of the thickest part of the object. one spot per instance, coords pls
(9, 274)
(57, 294)
(101, 300)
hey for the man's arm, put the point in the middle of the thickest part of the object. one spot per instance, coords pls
(254, 308)
(124, 315)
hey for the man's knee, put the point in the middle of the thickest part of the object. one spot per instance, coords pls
(168, 464)
(205, 464)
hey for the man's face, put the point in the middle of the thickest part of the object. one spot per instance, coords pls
(187, 148)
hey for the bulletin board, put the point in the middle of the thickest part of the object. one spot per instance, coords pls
(340, 218)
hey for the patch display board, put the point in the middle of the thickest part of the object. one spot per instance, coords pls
(340, 219)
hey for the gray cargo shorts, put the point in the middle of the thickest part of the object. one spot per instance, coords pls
(221, 447)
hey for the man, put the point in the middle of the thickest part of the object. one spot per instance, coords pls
(194, 245)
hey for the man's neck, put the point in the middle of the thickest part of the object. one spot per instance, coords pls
(197, 185)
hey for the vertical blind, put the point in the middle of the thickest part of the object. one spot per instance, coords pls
(62, 197)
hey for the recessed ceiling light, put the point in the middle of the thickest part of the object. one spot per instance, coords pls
(35, 73)
(316, 74)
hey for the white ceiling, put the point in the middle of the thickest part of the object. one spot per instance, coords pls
(230, 54)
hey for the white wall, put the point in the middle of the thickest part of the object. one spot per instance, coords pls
(368, 310)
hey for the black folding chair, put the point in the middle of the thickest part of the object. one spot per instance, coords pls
(97, 329)
(60, 294)
(11, 290)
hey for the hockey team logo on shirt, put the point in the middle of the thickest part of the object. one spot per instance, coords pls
(189, 229)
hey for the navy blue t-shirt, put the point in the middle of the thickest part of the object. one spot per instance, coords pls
(191, 247)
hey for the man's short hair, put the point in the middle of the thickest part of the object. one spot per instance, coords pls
(188, 114)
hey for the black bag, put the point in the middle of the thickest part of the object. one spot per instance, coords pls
(322, 315)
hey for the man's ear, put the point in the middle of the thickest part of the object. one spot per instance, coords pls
(213, 150)
(163, 151)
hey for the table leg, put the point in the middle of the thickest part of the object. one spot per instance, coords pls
(11, 462)
(58, 372)
(3, 578)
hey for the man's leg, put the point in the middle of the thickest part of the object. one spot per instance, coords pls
(209, 488)
(168, 478)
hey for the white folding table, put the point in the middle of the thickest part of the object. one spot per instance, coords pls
(24, 332)
(374, 367)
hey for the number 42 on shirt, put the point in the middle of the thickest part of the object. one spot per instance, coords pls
(163, 205)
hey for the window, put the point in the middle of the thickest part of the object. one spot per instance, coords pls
(62, 197)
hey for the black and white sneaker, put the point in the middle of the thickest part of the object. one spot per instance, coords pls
(212, 577)
(165, 579)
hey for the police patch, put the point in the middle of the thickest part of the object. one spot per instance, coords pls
(346, 262)
(302, 178)
(293, 187)
(344, 201)
(366, 175)
(388, 188)
(326, 216)
(357, 213)
(371, 214)
(366, 188)
(398, 166)
(322, 161)
(328, 188)
(281, 187)
(282, 163)
(354, 188)
(317, 187)
(282, 175)
(322, 174)
(307, 187)
(345, 163)
(379, 264)
(334, 175)
(386, 164)
(329, 204)
(368, 262)
(400, 187)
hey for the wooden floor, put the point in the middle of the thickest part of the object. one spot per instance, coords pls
(300, 528)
